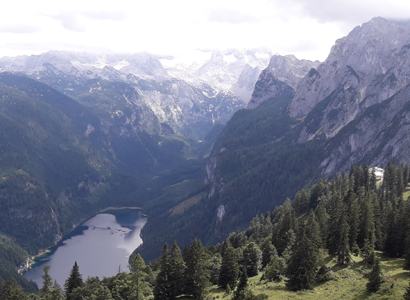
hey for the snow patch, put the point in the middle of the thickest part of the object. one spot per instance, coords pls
(230, 58)
(121, 64)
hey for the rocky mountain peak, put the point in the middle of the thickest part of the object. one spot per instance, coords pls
(282, 73)
(364, 68)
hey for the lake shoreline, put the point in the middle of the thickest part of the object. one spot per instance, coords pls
(31, 259)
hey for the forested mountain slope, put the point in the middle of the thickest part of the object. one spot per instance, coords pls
(352, 109)
(348, 237)
(54, 170)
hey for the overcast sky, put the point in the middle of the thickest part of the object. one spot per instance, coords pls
(306, 28)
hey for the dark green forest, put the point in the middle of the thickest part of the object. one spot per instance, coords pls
(353, 220)
(62, 162)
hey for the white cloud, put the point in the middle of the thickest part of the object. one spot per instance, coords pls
(70, 21)
(306, 28)
(222, 14)
(19, 29)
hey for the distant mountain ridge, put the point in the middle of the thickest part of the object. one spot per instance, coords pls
(230, 70)
(189, 98)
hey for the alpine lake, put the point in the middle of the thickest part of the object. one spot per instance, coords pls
(101, 246)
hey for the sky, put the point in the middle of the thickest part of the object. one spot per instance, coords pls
(305, 28)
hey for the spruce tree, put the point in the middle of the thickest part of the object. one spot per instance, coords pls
(406, 295)
(343, 251)
(275, 270)
(354, 225)
(375, 277)
(229, 271)
(47, 282)
(286, 223)
(73, 281)
(161, 289)
(57, 293)
(335, 213)
(170, 283)
(251, 259)
(393, 238)
(268, 250)
(313, 231)
(139, 278)
(11, 290)
(176, 271)
(322, 219)
(301, 269)
(407, 251)
(196, 273)
(366, 236)
(243, 283)
(214, 266)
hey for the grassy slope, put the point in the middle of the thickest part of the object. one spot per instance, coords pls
(348, 283)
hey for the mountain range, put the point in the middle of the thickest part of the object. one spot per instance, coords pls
(299, 127)
(189, 97)
(81, 127)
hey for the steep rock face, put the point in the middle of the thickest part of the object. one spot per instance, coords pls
(282, 73)
(377, 136)
(364, 68)
(245, 84)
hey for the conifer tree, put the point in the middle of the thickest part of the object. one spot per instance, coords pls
(393, 238)
(139, 278)
(317, 191)
(10, 290)
(57, 293)
(47, 282)
(228, 274)
(196, 273)
(251, 259)
(177, 269)
(268, 250)
(92, 289)
(243, 283)
(354, 225)
(343, 252)
(170, 278)
(334, 233)
(406, 295)
(286, 223)
(214, 266)
(286, 255)
(322, 219)
(75, 280)
(366, 236)
(161, 289)
(301, 269)
(275, 270)
(375, 277)
(313, 231)
(372, 183)
(407, 252)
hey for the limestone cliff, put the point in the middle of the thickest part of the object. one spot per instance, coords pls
(282, 74)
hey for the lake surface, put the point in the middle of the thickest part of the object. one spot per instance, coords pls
(101, 246)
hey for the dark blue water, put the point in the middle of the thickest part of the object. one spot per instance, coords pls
(101, 246)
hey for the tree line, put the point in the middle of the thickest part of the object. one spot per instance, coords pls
(351, 215)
